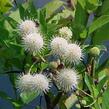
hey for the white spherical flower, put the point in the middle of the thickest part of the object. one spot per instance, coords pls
(67, 80)
(28, 83)
(27, 27)
(33, 42)
(41, 83)
(58, 45)
(73, 53)
(65, 32)
(25, 83)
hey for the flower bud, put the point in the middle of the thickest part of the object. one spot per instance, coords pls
(78, 106)
(58, 62)
(83, 102)
(95, 51)
(53, 65)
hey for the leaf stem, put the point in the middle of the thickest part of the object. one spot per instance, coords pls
(85, 93)
(32, 66)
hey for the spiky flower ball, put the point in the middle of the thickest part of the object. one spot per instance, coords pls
(28, 83)
(41, 83)
(33, 42)
(58, 45)
(73, 53)
(27, 27)
(65, 32)
(25, 83)
(67, 80)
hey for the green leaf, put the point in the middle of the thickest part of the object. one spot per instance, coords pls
(80, 14)
(105, 8)
(42, 21)
(92, 5)
(52, 6)
(66, 13)
(80, 20)
(15, 15)
(22, 12)
(95, 91)
(70, 101)
(3, 95)
(38, 107)
(101, 35)
(98, 23)
(82, 3)
(28, 96)
(101, 83)
(62, 106)
(3, 34)
(12, 22)
(88, 82)
(5, 5)
(17, 104)
(105, 104)
(30, 9)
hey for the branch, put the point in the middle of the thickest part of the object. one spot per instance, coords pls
(57, 99)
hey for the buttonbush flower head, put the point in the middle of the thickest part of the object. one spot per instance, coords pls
(67, 79)
(27, 27)
(65, 32)
(25, 83)
(58, 45)
(33, 42)
(73, 53)
(38, 83)
(42, 83)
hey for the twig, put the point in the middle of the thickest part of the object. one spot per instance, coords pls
(91, 104)
(85, 93)
(32, 66)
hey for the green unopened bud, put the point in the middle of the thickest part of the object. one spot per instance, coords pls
(53, 65)
(78, 106)
(83, 102)
(58, 62)
(95, 51)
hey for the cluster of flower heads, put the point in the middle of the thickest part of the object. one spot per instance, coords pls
(61, 46)
(66, 79)
(38, 83)
(32, 39)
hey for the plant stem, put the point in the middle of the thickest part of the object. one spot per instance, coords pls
(52, 104)
(95, 103)
(91, 104)
(85, 93)
(15, 2)
(24, 62)
(93, 68)
(48, 101)
(32, 66)
(57, 99)
(40, 101)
